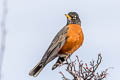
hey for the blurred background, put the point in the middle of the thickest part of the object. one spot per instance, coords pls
(32, 24)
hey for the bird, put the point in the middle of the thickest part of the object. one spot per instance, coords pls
(64, 44)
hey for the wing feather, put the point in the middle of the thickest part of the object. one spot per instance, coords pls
(55, 46)
(51, 52)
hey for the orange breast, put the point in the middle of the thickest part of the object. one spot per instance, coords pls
(74, 40)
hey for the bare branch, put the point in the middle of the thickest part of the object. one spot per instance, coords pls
(83, 71)
(3, 33)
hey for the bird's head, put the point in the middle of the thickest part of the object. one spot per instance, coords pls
(73, 18)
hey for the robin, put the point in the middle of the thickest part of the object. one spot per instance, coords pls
(65, 43)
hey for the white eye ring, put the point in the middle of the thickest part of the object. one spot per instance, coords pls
(74, 18)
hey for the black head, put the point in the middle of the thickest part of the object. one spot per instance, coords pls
(73, 18)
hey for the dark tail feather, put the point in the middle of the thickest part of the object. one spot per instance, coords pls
(58, 63)
(55, 66)
(37, 69)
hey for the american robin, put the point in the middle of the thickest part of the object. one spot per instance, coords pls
(65, 43)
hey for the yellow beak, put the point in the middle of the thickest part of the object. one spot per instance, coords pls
(68, 16)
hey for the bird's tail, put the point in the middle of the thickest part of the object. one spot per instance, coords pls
(58, 63)
(37, 69)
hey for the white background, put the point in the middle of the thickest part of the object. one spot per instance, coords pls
(32, 24)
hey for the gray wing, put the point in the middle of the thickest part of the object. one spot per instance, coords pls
(55, 46)
(51, 52)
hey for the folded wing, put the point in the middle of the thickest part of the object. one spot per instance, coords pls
(51, 52)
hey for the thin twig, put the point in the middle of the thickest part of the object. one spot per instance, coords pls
(3, 33)
(84, 71)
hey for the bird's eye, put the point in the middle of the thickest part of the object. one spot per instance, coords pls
(74, 17)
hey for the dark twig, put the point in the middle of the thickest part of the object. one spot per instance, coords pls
(63, 76)
(3, 33)
(83, 71)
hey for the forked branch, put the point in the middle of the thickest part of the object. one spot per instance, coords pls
(83, 71)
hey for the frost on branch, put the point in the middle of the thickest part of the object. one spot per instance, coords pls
(83, 71)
